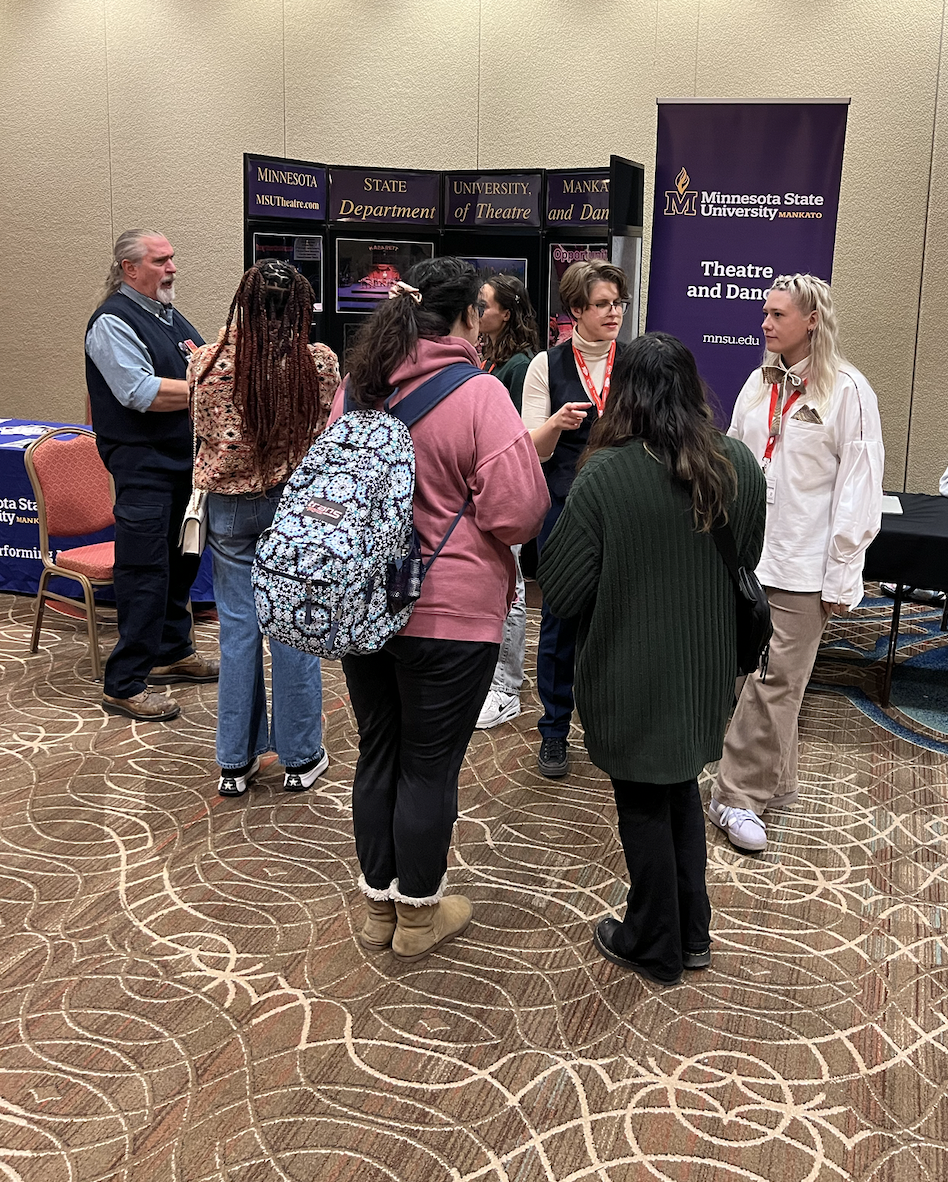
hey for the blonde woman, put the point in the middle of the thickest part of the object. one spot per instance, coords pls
(812, 421)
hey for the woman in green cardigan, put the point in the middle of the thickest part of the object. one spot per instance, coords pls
(633, 557)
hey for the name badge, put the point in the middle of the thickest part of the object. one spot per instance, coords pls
(771, 490)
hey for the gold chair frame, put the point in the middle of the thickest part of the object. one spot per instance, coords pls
(50, 569)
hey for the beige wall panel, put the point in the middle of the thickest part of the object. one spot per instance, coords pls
(376, 83)
(886, 59)
(54, 200)
(928, 429)
(191, 89)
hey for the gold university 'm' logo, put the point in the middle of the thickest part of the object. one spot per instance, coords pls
(681, 199)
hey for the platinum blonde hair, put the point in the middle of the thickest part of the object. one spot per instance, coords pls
(810, 294)
(129, 245)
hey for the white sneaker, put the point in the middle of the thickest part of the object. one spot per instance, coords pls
(232, 784)
(744, 829)
(498, 707)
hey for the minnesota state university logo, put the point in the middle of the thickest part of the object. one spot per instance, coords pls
(681, 199)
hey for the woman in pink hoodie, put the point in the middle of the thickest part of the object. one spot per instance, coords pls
(417, 699)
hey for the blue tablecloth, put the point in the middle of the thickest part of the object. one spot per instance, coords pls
(20, 565)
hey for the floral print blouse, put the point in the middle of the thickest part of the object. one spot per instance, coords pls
(224, 463)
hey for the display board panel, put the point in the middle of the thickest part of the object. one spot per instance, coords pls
(492, 200)
(278, 188)
(577, 199)
(385, 196)
(367, 267)
(485, 267)
(304, 252)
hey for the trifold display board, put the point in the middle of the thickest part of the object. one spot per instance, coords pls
(354, 231)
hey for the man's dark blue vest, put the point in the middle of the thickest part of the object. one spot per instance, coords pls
(567, 386)
(151, 442)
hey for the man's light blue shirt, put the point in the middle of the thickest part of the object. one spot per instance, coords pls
(121, 358)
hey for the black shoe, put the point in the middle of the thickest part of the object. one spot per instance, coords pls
(602, 938)
(553, 760)
(697, 960)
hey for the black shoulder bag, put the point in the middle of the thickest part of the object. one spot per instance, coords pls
(754, 628)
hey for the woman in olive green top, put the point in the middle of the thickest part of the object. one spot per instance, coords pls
(632, 556)
(509, 342)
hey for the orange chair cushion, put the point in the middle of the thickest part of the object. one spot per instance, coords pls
(75, 486)
(95, 562)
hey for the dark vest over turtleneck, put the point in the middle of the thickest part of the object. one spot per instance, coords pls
(152, 445)
(566, 385)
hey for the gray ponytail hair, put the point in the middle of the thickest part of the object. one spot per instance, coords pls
(129, 245)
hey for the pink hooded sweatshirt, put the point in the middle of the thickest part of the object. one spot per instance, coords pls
(473, 441)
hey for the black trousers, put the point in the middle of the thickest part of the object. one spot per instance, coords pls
(556, 653)
(661, 827)
(416, 702)
(152, 583)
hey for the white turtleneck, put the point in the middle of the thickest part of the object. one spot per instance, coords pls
(536, 384)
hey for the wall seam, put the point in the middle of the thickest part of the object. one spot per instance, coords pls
(480, 51)
(108, 115)
(921, 278)
(694, 88)
(284, 77)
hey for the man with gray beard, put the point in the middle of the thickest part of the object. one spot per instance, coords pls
(137, 347)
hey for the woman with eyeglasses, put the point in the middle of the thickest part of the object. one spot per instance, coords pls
(564, 393)
(632, 557)
(812, 421)
(509, 342)
(416, 699)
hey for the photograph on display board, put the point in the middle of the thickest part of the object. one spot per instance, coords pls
(486, 267)
(367, 267)
(303, 253)
(562, 254)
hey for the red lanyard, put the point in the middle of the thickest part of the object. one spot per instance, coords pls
(777, 428)
(599, 399)
(485, 364)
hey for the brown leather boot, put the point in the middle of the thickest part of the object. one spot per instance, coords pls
(422, 929)
(148, 706)
(379, 926)
(193, 667)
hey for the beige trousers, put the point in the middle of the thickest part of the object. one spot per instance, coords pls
(759, 762)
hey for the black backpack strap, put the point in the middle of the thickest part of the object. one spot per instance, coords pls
(415, 406)
(459, 515)
(727, 548)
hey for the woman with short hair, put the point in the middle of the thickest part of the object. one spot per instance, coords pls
(564, 393)
(812, 421)
(259, 396)
(509, 342)
(632, 561)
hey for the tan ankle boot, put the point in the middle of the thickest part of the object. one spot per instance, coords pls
(422, 929)
(379, 926)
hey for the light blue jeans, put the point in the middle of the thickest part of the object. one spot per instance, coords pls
(295, 731)
(508, 674)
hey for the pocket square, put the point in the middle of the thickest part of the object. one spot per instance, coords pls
(806, 414)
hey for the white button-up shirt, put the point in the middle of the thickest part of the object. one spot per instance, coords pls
(824, 486)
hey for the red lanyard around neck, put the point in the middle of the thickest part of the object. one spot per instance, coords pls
(776, 422)
(595, 396)
(490, 366)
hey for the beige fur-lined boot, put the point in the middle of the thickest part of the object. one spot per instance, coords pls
(422, 929)
(379, 926)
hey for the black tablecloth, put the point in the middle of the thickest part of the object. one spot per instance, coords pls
(912, 547)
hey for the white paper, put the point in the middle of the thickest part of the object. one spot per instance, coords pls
(24, 429)
(890, 503)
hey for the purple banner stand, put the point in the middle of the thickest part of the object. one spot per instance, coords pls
(744, 191)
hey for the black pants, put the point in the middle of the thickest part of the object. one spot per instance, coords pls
(416, 702)
(556, 653)
(152, 583)
(661, 827)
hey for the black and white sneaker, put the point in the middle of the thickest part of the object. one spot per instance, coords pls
(235, 781)
(298, 779)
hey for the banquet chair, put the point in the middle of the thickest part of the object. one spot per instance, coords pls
(73, 497)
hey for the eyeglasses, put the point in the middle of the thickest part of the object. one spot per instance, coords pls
(618, 305)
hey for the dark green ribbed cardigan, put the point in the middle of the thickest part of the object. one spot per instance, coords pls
(655, 660)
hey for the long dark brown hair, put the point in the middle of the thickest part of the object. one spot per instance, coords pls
(447, 287)
(657, 396)
(519, 333)
(276, 385)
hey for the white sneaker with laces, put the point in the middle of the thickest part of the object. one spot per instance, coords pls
(498, 707)
(744, 828)
(297, 781)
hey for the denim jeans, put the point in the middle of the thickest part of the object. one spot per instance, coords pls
(508, 674)
(296, 729)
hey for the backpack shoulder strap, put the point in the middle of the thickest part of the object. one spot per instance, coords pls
(415, 406)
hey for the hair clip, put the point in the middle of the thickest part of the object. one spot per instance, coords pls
(400, 288)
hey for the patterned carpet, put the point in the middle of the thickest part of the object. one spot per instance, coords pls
(182, 999)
